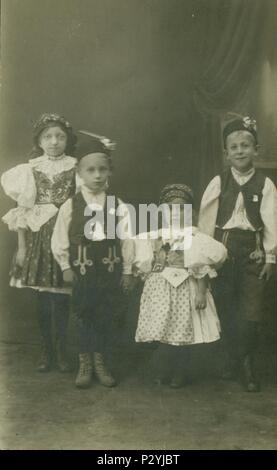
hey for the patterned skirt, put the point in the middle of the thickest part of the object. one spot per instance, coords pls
(40, 271)
(168, 315)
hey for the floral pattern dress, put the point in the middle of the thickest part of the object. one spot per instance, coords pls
(39, 187)
(167, 308)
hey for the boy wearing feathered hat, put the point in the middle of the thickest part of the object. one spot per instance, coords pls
(91, 260)
(239, 208)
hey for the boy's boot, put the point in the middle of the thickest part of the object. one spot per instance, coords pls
(248, 373)
(102, 373)
(83, 379)
(45, 362)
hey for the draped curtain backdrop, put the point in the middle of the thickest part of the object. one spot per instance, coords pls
(157, 76)
(230, 53)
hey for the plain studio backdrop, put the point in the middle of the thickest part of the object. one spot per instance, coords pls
(157, 76)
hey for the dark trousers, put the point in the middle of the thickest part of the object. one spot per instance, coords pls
(97, 334)
(98, 306)
(98, 317)
(238, 294)
(54, 306)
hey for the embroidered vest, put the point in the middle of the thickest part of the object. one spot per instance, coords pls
(85, 253)
(55, 191)
(252, 197)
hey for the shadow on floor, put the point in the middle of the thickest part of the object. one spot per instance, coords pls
(46, 411)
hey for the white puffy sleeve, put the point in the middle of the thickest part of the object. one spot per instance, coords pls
(209, 207)
(205, 256)
(60, 238)
(144, 256)
(269, 217)
(19, 184)
(124, 232)
(128, 255)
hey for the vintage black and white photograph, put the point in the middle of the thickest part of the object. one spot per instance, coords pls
(138, 306)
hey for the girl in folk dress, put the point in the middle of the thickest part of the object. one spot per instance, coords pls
(177, 307)
(40, 187)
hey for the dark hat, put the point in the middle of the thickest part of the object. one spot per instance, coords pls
(92, 143)
(173, 191)
(243, 124)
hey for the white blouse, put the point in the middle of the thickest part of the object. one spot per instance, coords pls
(19, 184)
(201, 258)
(60, 239)
(210, 203)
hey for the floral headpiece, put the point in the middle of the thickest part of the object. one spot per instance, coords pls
(48, 118)
(173, 191)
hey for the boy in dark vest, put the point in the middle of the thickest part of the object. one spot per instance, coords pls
(97, 263)
(239, 208)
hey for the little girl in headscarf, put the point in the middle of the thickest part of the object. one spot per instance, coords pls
(177, 307)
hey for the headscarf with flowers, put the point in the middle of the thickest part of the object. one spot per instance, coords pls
(48, 120)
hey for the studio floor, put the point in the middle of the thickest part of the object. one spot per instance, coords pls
(46, 411)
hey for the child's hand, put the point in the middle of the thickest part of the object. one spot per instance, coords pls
(266, 272)
(68, 276)
(127, 283)
(20, 257)
(200, 301)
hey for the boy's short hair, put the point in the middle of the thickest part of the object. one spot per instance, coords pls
(244, 124)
